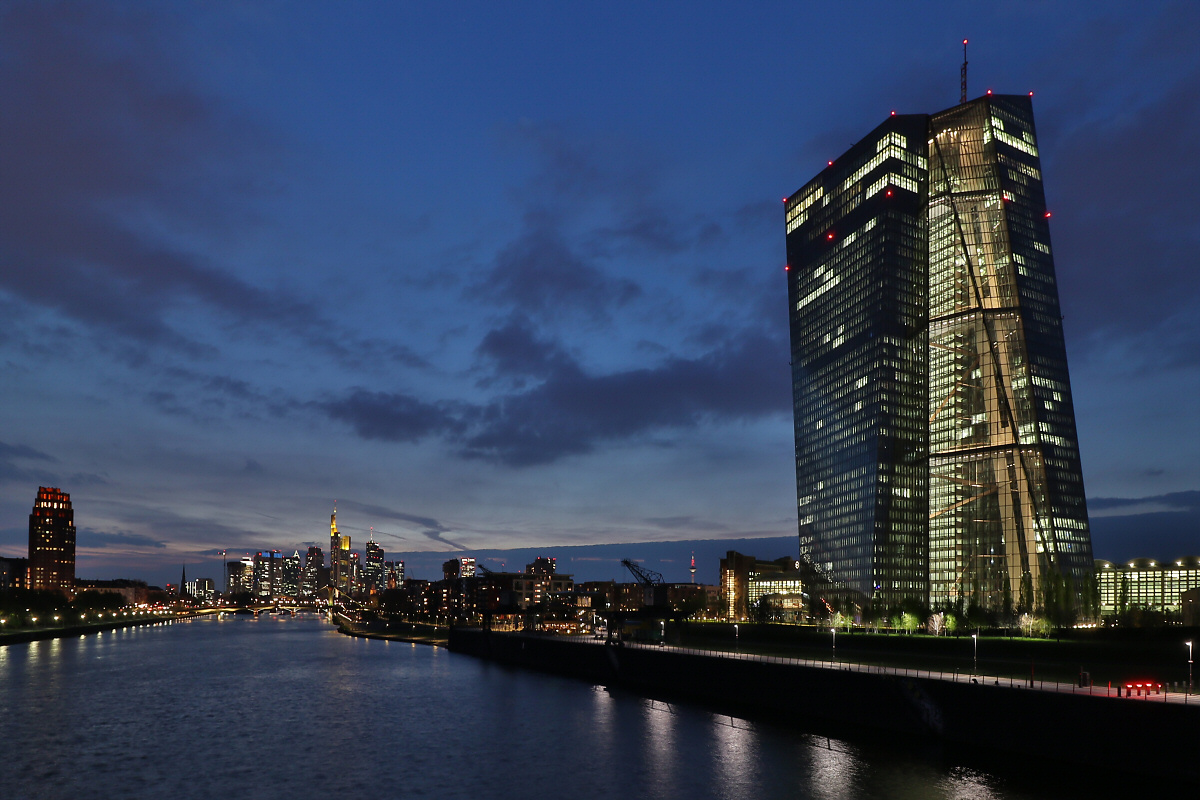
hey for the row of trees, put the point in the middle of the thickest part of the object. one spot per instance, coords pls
(30, 607)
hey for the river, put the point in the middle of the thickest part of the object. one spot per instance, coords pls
(283, 707)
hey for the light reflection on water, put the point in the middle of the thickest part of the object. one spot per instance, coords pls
(287, 707)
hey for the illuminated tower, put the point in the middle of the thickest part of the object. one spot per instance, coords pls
(1007, 513)
(340, 575)
(936, 451)
(52, 542)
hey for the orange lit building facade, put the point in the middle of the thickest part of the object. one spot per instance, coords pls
(52, 542)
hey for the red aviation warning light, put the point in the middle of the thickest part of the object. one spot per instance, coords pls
(829, 236)
(1047, 215)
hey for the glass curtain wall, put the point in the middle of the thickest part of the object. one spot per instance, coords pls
(1005, 497)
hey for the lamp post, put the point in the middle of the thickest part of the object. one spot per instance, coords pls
(975, 639)
(834, 632)
(1189, 644)
(737, 643)
(662, 642)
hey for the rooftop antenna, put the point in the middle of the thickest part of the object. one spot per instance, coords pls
(963, 94)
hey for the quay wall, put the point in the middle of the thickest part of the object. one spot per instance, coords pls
(1094, 731)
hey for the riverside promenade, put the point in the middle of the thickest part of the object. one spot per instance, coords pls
(973, 713)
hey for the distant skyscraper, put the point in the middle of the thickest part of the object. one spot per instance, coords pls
(374, 578)
(268, 574)
(341, 581)
(936, 452)
(395, 574)
(468, 567)
(290, 577)
(52, 542)
(310, 573)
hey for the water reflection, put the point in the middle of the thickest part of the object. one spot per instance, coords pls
(289, 708)
(832, 768)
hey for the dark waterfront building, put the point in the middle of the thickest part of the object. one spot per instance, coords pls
(14, 573)
(52, 542)
(936, 452)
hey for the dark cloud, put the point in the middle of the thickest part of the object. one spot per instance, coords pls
(91, 538)
(1181, 501)
(539, 275)
(559, 409)
(252, 467)
(430, 527)
(1126, 252)
(23, 451)
(392, 417)
(105, 152)
(11, 472)
(515, 352)
(570, 412)
(1159, 526)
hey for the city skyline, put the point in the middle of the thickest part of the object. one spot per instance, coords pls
(515, 279)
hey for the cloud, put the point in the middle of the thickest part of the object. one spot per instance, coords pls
(111, 163)
(10, 472)
(1128, 248)
(86, 538)
(571, 411)
(1124, 506)
(430, 527)
(539, 275)
(690, 523)
(392, 417)
(23, 451)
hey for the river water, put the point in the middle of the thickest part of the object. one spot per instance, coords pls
(283, 707)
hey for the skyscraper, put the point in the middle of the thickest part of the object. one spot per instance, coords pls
(374, 578)
(936, 451)
(52, 542)
(857, 298)
(341, 581)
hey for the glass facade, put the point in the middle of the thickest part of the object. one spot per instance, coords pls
(1006, 504)
(936, 452)
(857, 294)
(1146, 583)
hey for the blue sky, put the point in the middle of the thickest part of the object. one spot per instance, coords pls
(510, 275)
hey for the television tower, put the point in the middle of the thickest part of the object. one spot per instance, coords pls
(693, 570)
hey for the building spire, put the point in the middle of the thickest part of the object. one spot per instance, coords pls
(963, 94)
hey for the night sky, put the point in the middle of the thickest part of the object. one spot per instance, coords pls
(501, 275)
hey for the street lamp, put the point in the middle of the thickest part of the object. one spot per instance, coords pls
(975, 639)
(834, 632)
(1189, 644)
(663, 641)
(736, 641)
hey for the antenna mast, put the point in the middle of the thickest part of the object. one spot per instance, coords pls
(963, 95)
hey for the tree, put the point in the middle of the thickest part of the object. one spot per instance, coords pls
(936, 623)
(910, 622)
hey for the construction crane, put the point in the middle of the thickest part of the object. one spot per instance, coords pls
(653, 585)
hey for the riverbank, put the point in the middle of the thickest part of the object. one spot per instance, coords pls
(979, 716)
(399, 632)
(85, 628)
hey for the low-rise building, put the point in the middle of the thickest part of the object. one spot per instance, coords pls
(1146, 583)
